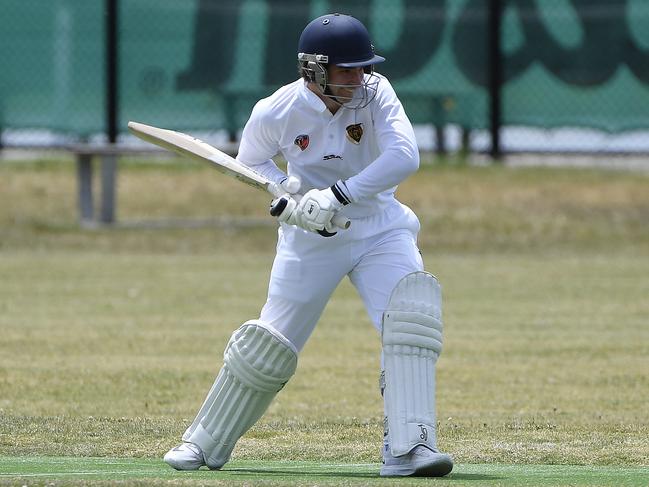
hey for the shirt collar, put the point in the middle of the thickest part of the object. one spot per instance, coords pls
(312, 99)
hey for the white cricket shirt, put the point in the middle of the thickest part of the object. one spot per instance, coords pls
(371, 149)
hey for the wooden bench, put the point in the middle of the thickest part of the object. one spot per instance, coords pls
(108, 155)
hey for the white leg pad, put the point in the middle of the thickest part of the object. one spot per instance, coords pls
(412, 341)
(258, 361)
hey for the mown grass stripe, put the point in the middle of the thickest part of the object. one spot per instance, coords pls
(286, 472)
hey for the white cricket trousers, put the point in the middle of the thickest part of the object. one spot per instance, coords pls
(375, 252)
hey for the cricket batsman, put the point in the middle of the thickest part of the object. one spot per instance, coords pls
(348, 143)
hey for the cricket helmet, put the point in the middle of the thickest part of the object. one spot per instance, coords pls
(341, 40)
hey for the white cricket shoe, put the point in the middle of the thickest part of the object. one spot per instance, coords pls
(186, 456)
(420, 462)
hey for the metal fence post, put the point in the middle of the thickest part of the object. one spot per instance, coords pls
(495, 63)
(109, 162)
(112, 66)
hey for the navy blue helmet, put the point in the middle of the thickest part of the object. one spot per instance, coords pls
(343, 39)
(340, 40)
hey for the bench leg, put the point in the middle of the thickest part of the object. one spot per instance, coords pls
(108, 179)
(440, 140)
(84, 177)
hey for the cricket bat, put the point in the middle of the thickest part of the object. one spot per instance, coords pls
(196, 149)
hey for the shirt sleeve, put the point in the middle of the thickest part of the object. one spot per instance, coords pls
(399, 152)
(259, 144)
(270, 171)
(258, 140)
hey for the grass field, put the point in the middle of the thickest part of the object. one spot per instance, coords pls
(112, 336)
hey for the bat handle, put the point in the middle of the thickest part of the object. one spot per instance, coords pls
(341, 221)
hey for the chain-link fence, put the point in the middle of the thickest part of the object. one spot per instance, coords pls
(574, 73)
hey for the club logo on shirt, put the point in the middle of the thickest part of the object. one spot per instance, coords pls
(355, 132)
(302, 141)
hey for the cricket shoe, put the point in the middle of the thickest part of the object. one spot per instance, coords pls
(186, 456)
(421, 461)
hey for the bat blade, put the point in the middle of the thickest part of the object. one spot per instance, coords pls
(196, 149)
(188, 146)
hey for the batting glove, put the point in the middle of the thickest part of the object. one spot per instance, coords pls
(316, 208)
(284, 209)
(289, 184)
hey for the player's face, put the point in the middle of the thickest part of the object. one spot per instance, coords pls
(344, 76)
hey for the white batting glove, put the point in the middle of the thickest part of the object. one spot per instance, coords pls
(289, 184)
(315, 210)
(283, 207)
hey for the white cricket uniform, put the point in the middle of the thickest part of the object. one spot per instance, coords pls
(368, 151)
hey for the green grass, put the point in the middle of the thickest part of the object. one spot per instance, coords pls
(111, 337)
(462, 209)
(138, 471)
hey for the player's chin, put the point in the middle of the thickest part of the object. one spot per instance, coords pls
(345, 94)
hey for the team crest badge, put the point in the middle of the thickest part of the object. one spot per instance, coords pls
(355, 132)
(302, 141)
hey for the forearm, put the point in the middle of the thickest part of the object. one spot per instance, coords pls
(387, 171)
(398, 146)
(269, 170)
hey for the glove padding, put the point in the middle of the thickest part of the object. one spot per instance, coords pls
(284, 209)
(313, 212)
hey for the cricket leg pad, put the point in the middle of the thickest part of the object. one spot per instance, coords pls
(412, 341)
(257, 363)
